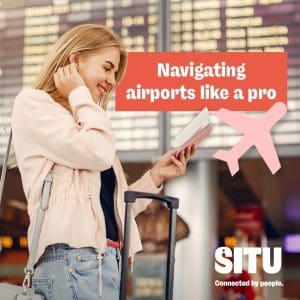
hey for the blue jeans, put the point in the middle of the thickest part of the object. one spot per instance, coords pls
(74, 273)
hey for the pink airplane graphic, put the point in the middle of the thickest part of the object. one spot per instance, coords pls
(256, 132)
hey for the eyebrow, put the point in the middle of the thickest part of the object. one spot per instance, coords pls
(111, 64)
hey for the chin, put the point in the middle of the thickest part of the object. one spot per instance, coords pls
(96, 98)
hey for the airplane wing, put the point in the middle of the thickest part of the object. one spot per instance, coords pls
(265, 146)
(240, 122)
(274, 114)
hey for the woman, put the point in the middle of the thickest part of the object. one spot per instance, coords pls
(58, 125)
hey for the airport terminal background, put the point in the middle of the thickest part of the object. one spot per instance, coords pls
(252, 208)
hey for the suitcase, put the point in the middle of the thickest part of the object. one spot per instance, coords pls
(172, 203)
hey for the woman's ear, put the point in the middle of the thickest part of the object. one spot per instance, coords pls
(74, 58)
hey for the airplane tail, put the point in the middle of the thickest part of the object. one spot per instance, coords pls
(231, 161)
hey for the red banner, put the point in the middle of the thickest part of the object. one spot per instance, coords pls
(181, 81)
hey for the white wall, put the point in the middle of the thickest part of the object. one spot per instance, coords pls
(194, 255)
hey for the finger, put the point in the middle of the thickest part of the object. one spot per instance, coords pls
(178, 164)
(182, 156)
(188, 153)
(73, 69)
(60, 74)
(67, 71)
(176, 154)
(55, 77)
(171, 152)
(194, 149)
(168, 155)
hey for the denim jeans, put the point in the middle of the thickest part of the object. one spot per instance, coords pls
(67, 273)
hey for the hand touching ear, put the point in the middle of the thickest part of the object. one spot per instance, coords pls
(67, 78)
(169, 166)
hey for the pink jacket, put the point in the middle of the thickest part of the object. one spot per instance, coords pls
(78, 146)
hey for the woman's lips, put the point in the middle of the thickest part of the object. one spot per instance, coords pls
(101, 91)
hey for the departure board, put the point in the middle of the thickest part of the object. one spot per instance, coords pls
(241, 25)
(28, 29)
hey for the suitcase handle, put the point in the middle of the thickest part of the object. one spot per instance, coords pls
(172, 203)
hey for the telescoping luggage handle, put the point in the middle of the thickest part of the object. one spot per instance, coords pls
(172, 203)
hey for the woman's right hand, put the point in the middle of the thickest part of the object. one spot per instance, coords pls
(67, 78)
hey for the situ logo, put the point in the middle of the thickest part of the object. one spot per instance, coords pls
(227, 261)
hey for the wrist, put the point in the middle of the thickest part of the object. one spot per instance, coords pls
(156, 177)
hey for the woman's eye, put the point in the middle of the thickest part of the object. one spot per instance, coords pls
(107, 69)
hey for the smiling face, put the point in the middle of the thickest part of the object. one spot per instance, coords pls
(99, 71)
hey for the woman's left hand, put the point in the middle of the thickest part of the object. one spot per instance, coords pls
(169, 166)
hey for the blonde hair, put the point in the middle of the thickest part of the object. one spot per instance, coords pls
(87, 39)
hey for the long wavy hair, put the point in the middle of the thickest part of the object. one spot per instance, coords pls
(87, 39)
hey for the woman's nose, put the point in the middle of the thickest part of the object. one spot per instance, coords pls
(111, 79)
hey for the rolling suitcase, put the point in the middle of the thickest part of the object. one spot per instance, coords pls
(172, 203)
